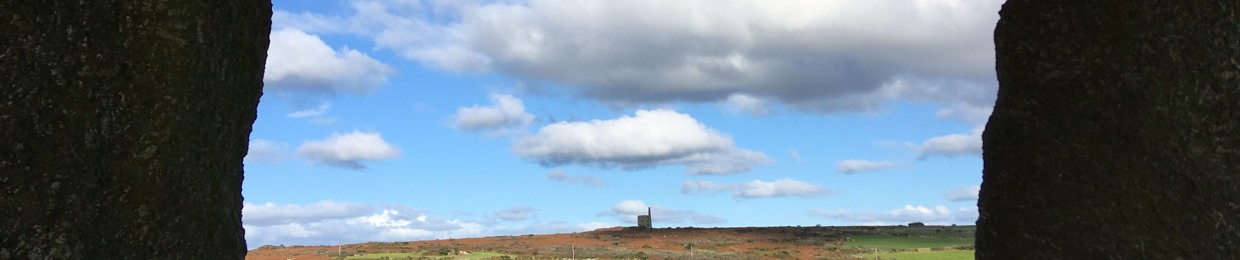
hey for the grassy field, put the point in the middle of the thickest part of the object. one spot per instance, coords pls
(932, 255)
(901, 242)
(474, 255)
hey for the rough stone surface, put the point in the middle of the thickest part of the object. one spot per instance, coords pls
(123, 125)
(1116, 133)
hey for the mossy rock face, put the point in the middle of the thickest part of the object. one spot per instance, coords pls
(1116, 132)
(123, 125)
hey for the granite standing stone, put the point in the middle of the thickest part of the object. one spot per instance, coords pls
(123, 125)
(1116, 133)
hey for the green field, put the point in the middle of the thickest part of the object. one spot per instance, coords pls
(474, 255)
(932, 255)
(907, 242)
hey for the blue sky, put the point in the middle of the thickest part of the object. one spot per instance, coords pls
(397, 120)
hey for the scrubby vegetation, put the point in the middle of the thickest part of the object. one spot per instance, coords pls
(818, 242)
(399, 256)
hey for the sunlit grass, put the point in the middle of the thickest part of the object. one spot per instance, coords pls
(902, 242)
(932, 255)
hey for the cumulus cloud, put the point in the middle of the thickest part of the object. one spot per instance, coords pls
(952, 145)
(758, 189)
(516, 214)
(506, 111)
(560, 176)
(822, 56)
(938, 215)
(330, 222)
(856, 166)
(647, 139)
(965, 193)
(628, 210)
(348, 150)
(266, 151)
(297, 61)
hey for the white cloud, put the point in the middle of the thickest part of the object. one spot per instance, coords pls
(796, 155)
(631, 207)
(506, 111)
(312, 112)
(823, 56)
(271, 214)
(315, 114)
(348, 150)
(454, 58)
(938, 215)
(745, 104)
(560, 176)
(314, 23)
(952, 145)
(967, 102)
(596, 225)
(965, 193)
(329, 222)
(297, 61)
(857, 166)
(627, 211)
(516, 214)
(758, 189)
(650, 138)
(781, 188)
(266, 151)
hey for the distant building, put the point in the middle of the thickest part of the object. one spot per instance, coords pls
(916, 224)
(643, 221)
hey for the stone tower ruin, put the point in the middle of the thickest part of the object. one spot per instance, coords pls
(643, 221)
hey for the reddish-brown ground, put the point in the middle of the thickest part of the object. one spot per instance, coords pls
(664, 243)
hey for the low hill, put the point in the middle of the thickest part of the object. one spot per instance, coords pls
(660, 243)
